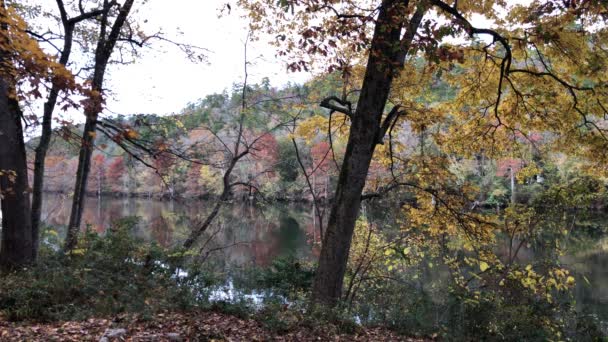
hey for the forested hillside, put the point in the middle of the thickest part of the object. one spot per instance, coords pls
(182, 166)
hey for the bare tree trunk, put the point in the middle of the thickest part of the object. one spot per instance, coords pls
(311, 187)
(387, 54)
(16, 247)
(49, 106)
(99, 183)
(513, 193)
(235, 155)
(105, 47)
(82, 175)
(194, 236)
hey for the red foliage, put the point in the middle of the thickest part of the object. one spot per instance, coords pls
(97, 173)
(164, 161)
(116, 171)
(506, 165)
(322, 155)
(265, 148)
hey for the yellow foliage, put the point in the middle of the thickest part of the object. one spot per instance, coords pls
(28, 64)
(210, 179)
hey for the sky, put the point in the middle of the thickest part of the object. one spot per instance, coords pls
(164, 81)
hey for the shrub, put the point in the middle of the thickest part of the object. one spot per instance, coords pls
(104, 275)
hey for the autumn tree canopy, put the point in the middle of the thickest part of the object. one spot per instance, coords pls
(532, 67)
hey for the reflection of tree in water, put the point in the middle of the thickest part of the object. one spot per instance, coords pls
(259, 233)
(246, 230)
(591, 272)
(161, 231)
(290, 236)
(55, 212)
(92, 215)
(264, 245)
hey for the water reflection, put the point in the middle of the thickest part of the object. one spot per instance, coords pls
(590, 266)
(243, 234)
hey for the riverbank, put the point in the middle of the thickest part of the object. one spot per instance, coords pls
(200, 197)
(193, 326)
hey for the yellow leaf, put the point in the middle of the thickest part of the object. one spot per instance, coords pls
(570, 280)
(483, 266)
(131, 134)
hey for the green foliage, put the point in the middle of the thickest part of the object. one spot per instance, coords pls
(103, 276)
(286, 275)
(491, 316)
(288, 166)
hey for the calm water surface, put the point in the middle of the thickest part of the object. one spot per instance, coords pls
(245, 234)
(255, 235)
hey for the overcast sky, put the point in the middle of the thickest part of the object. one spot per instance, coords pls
(164, 81)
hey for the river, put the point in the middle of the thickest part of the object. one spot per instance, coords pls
(246, 235)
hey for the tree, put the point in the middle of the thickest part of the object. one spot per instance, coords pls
(516, 60)
(98, 173)
(109, 34)
(21, 61)
(288, 165)
(17, 245)
(69, 26)
(233, 153)
(116, 173)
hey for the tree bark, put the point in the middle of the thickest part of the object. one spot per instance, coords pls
(45, 137)
(105, 47)
(16, 247)
(387, 55)
(69, 24)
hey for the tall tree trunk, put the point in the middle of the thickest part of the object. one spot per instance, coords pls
(105, 47)
(39, 158)
(386, 56)
(16, 247)
(49, 106)
(82, 175)
(45, 137)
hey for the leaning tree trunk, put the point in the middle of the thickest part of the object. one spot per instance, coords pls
(196, 233)
(16, 247)
(386, 56)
